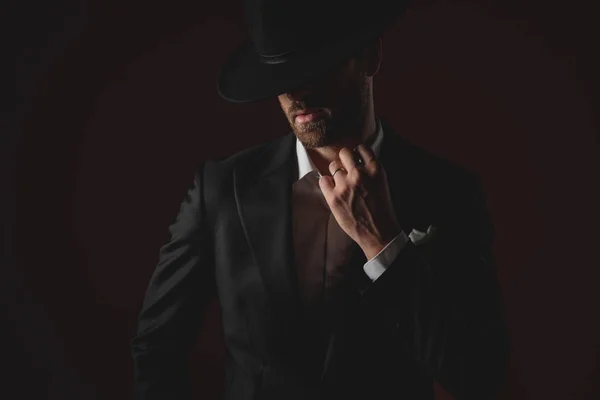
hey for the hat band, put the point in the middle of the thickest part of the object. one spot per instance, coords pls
(276, 58)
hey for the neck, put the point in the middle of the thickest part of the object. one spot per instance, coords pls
(323, 156)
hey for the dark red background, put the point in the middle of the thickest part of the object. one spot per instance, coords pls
(117, 105)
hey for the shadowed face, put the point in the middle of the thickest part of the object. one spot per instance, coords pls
(340, 100)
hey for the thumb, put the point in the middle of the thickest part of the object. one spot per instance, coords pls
(326, 183)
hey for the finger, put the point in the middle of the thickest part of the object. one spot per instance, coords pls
(354, 169)
(368, 158)
(347, 159)
(338, 172)
(335, 164)
(327, 185)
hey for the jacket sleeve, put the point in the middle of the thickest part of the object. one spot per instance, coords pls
(443, 301)
(179, 291)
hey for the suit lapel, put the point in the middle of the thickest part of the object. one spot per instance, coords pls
(263, 194)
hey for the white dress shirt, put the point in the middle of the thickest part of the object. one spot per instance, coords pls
(320, 245)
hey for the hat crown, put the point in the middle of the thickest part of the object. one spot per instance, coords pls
(278, 27)
(295, 42)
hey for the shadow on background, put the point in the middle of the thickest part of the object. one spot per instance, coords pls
(116, 105)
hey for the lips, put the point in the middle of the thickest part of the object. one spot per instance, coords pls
(307, 111)
(309, 116)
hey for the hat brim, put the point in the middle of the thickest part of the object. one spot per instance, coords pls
(243, 78)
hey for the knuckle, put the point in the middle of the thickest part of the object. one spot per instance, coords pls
(344, 193)
(338, 200)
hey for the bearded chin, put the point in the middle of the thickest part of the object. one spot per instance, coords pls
(314, 134)
(327, 132)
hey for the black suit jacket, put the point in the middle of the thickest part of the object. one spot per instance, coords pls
(435, 314)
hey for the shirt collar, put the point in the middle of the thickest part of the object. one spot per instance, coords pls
(305, 164)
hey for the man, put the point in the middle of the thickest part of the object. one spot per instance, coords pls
(348, 262)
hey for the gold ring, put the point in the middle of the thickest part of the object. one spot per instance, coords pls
(339, 169)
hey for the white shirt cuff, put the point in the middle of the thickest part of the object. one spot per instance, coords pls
(378, 264)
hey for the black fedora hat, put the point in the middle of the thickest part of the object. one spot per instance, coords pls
(293, 42)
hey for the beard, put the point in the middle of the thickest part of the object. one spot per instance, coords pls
(347, 121)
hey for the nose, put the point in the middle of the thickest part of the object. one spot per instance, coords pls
(300, 93)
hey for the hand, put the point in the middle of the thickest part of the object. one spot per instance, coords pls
(359, 199)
